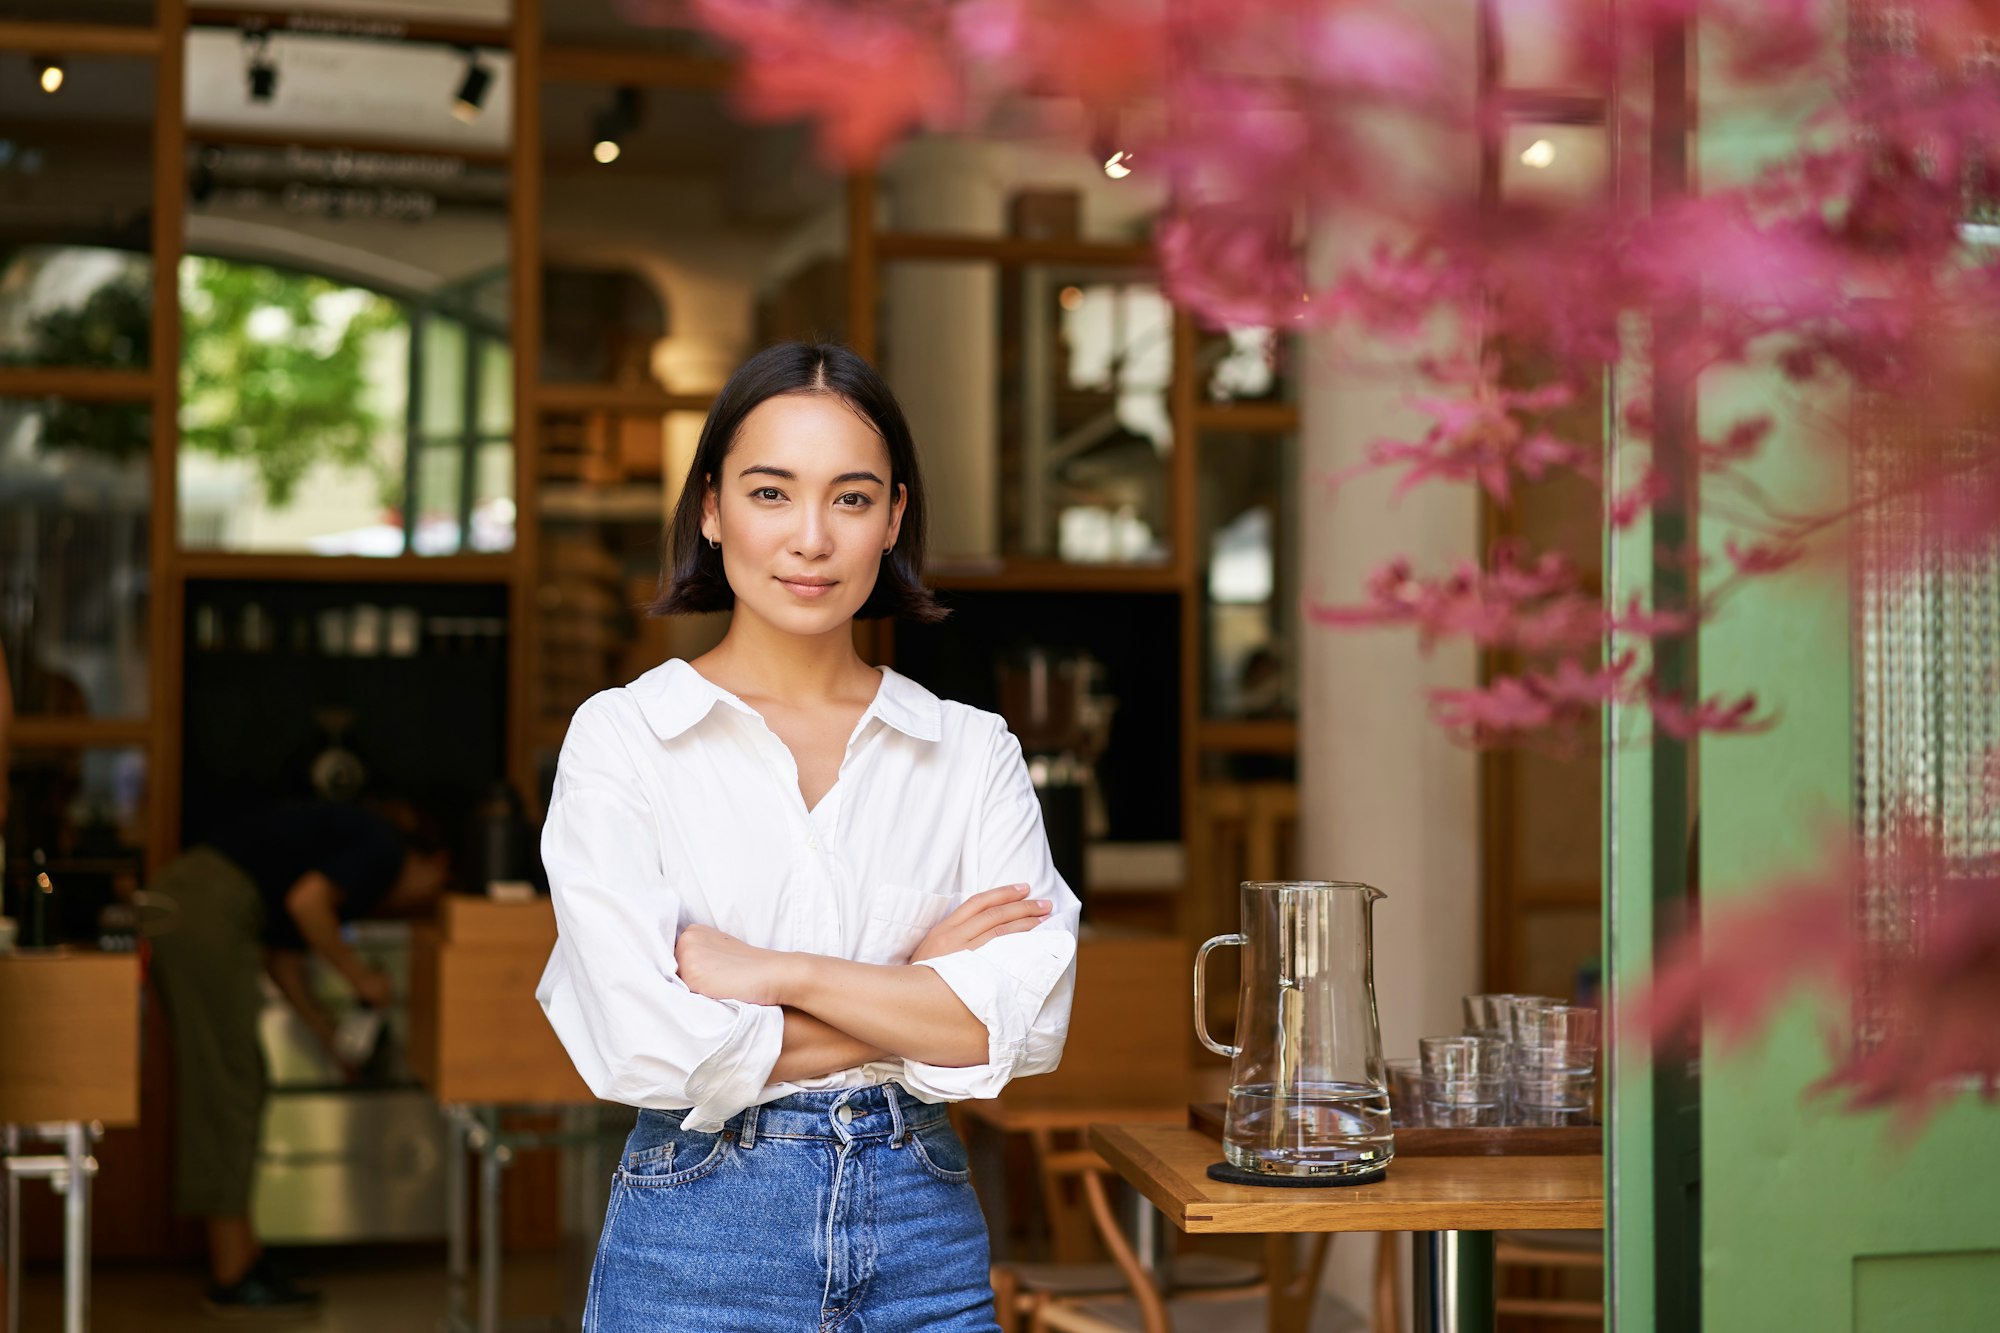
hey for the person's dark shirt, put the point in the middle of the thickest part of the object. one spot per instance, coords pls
(359, 850)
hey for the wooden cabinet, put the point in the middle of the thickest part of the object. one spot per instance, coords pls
(69, 1038)
(476, 1032)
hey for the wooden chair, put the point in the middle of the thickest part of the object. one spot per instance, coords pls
(1547, 1256)
(1206, 1291)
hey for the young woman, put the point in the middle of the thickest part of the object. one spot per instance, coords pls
(802, 901)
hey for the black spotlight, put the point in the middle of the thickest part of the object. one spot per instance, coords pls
(612, 124)
(472, 88)
(260, 75)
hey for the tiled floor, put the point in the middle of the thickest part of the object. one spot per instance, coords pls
(396, 1290)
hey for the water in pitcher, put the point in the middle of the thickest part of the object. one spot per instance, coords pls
(1309, 1129)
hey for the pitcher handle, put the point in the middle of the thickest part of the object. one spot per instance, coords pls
(1201, 996)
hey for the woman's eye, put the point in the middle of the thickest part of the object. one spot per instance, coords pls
(854, 500)
(767, 493)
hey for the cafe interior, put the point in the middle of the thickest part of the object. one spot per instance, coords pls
(351, 355)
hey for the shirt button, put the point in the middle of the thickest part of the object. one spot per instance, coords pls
(812, 841)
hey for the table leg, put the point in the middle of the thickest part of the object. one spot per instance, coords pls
(10, 1143)
(1452, 1285)
(76, 1228)
(492, 1157)
(455, 1241)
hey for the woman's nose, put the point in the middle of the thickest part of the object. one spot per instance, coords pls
(813, 537)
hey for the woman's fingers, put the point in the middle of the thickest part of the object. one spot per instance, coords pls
(983, 902)
(1005, 928)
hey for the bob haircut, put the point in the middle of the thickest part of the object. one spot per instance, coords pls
(693, 580)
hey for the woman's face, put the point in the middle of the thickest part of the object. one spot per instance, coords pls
(804, 511)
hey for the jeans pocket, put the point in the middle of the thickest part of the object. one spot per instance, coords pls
(939, 1151)
(661, 1153)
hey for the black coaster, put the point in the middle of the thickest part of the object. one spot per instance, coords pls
(1236, 1175)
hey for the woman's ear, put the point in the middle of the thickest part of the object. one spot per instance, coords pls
(711, 521)
(896, 517)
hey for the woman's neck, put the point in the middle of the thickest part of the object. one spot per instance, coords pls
(756, 659)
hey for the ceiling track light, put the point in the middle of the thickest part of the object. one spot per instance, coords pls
(48, 74)
(260, 74)
(472, 89)
(612, 124)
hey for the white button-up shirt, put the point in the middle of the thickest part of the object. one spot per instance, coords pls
(675, 804)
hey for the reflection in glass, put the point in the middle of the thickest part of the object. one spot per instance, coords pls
(297, 397)
(1084, 424)
(76, 199)
(345, 365)
(1244, 365)
(74, 494)
(1247, 518)
(80, 816)
(1069, 460)
(75, 305)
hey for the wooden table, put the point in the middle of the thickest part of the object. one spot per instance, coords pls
(1453, 1204)
(69, 1063)
(480, 1042)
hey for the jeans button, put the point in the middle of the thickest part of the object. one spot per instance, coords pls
(845, 1114)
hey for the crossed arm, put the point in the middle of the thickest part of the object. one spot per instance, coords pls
(838, 1013)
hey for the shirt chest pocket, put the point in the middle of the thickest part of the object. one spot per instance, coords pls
(897, 921)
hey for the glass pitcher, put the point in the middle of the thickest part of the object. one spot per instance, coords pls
(1308, 1093)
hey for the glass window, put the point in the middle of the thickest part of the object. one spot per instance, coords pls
(1247, 517)
(80, 817)
(76, 201)
(1043, 423)
(75, 490)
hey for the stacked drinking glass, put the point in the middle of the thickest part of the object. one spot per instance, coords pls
(1464, 1081)
(1553, 1080)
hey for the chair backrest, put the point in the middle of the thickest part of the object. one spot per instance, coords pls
(1128, 1026)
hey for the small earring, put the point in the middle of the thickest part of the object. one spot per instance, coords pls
(714, 545)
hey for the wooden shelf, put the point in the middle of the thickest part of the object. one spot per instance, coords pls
(1248, 418)
(560, 396)
(79, 733)
(79, 384)
(375, 26)
(1259, 735)
(1053, 576)
(78, 39)
(278, 567)
(636, 69)
(910, 245)
(626, 502)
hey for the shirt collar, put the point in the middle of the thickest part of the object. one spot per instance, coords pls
(674, 696)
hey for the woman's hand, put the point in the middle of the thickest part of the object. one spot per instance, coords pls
(723, 967)
(982, 917)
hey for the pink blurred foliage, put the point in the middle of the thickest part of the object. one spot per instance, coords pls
(1841, 264)
(1929, 988)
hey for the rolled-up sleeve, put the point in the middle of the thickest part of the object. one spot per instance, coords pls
(1019, 986)
(612, 990)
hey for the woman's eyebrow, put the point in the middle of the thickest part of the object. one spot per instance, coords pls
(785, 474)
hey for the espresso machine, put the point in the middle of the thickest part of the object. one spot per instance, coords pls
(1054, 701)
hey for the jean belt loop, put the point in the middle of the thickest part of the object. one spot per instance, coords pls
(898, 1132)
(749, 1139)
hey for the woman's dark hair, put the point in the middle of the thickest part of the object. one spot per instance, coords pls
(693, 581)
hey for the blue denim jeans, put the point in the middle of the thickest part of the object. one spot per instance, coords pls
(846, 1211)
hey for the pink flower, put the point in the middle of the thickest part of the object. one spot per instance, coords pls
(1236, 269)
(867, 74)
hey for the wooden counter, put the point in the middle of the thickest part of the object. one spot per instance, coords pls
(69, 1037)
(1169, 1166)
(476, 1032)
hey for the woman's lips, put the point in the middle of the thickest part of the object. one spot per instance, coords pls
(809, 591)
